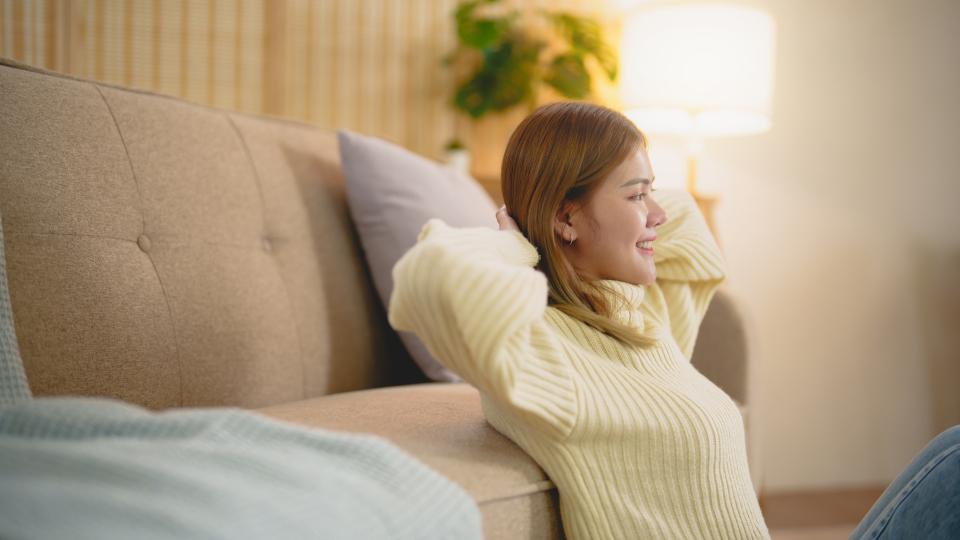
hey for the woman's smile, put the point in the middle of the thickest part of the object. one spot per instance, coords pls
(646, 246)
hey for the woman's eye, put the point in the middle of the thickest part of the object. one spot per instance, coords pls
(639, 196)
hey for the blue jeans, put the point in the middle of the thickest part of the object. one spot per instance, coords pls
(923, 502)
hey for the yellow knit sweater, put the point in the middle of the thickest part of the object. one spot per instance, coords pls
(638, 442)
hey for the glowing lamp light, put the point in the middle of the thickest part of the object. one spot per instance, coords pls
(700, 70)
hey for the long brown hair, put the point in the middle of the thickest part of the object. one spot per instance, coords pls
(561, 153)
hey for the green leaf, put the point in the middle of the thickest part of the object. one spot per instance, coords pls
(585, 36)
(567, 74)
(504, 79)
(471, 97)
(481, 33)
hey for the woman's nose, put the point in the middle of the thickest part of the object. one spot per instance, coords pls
(657, 216)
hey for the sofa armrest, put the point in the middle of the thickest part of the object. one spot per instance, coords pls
(721, 352)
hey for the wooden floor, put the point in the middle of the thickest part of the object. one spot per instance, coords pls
(839, 532)
(823, 515)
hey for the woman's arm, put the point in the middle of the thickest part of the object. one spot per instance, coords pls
(690, 267)
(474, 298)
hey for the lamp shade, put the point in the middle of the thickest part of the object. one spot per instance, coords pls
(704, 70)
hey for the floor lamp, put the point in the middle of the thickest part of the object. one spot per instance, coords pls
(699, 71)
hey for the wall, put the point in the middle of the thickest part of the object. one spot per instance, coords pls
(842, 230)
(368, 66)
(373, 66)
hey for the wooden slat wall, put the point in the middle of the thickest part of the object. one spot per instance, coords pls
(372, 66)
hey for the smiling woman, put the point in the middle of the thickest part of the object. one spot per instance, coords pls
(578, 333)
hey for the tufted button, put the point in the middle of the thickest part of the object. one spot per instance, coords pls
(144, 243)
(266, 245)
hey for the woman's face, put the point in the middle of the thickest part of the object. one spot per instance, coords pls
(614, 229)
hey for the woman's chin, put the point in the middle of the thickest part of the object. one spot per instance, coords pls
(647, 274)
(648, 281)
(645, 279)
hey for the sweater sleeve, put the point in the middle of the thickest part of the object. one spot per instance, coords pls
(475, 300)
(689, 264)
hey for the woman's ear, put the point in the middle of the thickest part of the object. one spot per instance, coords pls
(563, 224)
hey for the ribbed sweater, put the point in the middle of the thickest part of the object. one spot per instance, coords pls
(638, 442)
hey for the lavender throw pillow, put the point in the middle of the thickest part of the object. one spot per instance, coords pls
(392, 192)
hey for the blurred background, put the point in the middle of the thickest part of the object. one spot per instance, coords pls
(838, 213)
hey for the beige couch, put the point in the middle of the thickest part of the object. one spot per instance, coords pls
(176, 255)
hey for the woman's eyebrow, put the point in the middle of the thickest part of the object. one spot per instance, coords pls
(638, 181)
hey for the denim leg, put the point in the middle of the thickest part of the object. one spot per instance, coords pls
(923, 502)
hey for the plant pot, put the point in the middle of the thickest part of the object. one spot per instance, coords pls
(459, 160)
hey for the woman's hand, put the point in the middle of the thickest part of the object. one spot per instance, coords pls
(505, 221)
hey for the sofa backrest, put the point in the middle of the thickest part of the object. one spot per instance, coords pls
(172, 254)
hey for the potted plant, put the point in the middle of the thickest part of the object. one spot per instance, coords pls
(457, 155)
(505, 56)
(509, 54)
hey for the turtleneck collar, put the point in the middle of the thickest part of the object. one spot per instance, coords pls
(625, 299)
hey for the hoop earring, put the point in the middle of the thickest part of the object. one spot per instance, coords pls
(570, 242)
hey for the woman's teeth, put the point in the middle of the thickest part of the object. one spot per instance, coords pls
(647, 244)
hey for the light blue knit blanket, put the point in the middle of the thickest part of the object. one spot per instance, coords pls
(97, 468)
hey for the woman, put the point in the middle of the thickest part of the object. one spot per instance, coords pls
(576, 322)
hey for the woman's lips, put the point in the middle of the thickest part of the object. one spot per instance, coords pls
(646, 246)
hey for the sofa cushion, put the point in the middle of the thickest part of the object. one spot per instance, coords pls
(13, 381)
(392, 192)
(442, 424)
